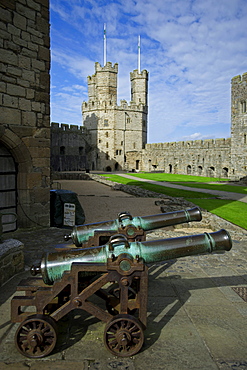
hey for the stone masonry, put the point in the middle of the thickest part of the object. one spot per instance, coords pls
(214, 158)
(70, 147)
(118, 134)
(114, 129)
(25, 104)
(239, 125)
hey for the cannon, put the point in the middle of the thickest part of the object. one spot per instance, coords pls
(134, 228)
(116, 272)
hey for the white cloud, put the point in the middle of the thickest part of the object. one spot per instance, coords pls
(191, 49)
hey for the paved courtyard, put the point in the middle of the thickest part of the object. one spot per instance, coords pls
(196, 320)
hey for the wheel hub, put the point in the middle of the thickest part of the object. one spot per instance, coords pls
(123, 337)
(35, 338)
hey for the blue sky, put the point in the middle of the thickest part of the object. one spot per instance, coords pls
(191, 50)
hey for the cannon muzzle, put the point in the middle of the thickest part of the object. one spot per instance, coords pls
(53, 265)
(81, 234)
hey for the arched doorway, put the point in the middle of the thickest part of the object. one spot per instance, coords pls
(8, 188)
(225, 172)
(108, 168)
(189, 169)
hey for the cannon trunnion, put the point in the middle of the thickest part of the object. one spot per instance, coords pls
(116, 272)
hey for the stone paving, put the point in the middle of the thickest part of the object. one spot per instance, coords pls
(195, 319)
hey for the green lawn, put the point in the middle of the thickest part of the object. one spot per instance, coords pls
(233, 211)
(174, 177)
(193, 181)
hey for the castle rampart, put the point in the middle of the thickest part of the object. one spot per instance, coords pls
(200, 157)
(118, 134)
(70, 147)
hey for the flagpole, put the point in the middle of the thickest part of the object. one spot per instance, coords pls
(104, 44)
(139, 54)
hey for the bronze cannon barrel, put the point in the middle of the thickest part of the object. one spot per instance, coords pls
(53, 265)
(80, 234)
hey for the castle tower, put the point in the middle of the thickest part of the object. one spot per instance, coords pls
(239, 125)
(139, 87)
(114, 129)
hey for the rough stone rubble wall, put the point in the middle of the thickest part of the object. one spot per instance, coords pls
(25, 102)
(239, 125)
(200, 157)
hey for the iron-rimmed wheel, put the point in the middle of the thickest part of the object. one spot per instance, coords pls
(36, 336)
(123, 336)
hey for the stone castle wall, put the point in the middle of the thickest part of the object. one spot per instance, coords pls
(214, 158)
(70, 147)
(239, 125)
(199, 157)
(25, 103)
(112, 127)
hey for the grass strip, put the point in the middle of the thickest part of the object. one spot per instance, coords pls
(222, 187)
(156, 188)
(175, 177)
(232, 211)
(193, 182)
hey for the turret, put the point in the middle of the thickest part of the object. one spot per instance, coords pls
(139, 87)
(106, 82)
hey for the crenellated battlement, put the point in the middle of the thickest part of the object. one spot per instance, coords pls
(238, 79)
(92, 105)
(107, 68)
(136, 74)
(191, 144)
(67, 127)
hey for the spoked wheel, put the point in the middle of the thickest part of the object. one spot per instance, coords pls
(113, 303)
(36, 336)
(123, 336)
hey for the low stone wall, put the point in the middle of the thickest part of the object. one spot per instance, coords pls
(170, 204)
(11, 259)
(70, 176)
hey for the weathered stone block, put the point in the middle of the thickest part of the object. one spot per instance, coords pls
(8, 57)
(33, 5)
(10, 115)
(33, 180)
(30, 93)
(15, 90)
(20, 21)
(14, 71)
(28, 118)
(36, 106)
(2, 86)
(24, 104)
(38, 65)
(25, 11)
(6, 15)
(10, 101)
(44, 53)
(24, 62)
